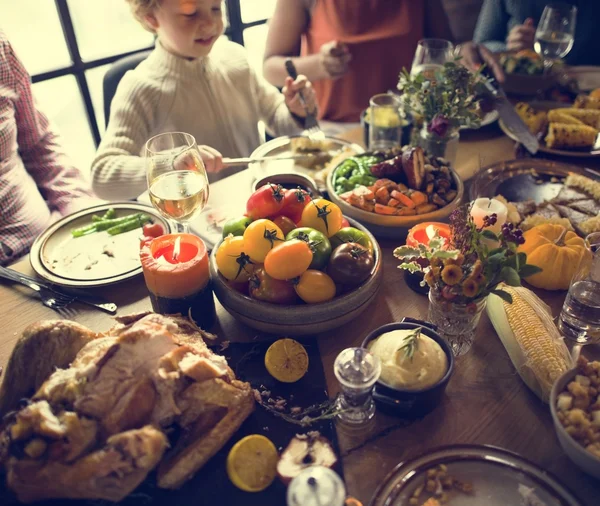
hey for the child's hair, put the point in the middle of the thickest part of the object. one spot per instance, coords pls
(141, 8)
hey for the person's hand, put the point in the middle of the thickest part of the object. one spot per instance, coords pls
(291, 91)
(521, 36)
(334, 58)
(213, 160)
(474, 55)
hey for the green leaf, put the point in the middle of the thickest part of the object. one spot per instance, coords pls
(453, 254)
(495, 251)
(529, 270)
(488, 234)
(497, 258)
(521, 259)
(510, 276)
(411, 267)
(503, 295)
(406, 252)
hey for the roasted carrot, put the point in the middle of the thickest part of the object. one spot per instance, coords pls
(363, 191)
(382, 195)
(394, 203)
(346, 195)
(405, 200)
(418, 198)
(406, 211)
(426, 208)
(387, 210)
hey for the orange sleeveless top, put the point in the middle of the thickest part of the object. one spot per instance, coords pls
(381, 35)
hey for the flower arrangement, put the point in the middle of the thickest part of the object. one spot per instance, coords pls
(473, 263)
(446, 102)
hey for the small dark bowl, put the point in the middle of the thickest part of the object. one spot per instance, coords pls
(289, 181)
(406, 130)
(411, 403)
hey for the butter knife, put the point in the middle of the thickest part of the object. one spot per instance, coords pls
(79, 295)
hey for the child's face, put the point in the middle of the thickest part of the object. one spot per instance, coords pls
(188, 28)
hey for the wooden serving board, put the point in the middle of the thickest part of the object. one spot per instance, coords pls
(211, 486)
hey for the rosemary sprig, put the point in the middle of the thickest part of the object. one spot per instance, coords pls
(411, 343)
(325, 410)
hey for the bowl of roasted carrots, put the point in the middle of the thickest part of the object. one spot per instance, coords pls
(391, 191)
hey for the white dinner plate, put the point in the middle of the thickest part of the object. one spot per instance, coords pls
(96, 259)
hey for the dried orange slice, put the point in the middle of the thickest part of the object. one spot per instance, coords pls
(252, 463)
(286, 360)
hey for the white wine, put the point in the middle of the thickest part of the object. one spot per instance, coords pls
(179, 194)
(427, 69)
(553, 44)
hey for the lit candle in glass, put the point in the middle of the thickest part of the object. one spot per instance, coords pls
(483, 207)
(424, 232)
(176, 272)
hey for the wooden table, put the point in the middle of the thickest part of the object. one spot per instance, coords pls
(486, 401)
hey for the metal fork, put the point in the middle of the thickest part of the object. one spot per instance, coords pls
(49, 298)
(311, 125)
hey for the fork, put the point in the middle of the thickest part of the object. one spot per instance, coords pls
(49, 298)
(311, 125)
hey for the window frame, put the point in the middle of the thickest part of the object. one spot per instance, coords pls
(78, 67)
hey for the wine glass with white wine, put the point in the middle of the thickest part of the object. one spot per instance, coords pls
(555, 33)
(430, 56)
(177, 180)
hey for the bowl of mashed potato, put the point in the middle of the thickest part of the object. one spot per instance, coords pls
(416, 366)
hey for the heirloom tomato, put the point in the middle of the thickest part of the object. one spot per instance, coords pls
(351, 234)
(345, 222)
(322, 215)
(288, 260)
(232, 260)
(318, 242)
(260, 237)
(350, 264)
(265, 201)
(153, 230)
(236, 226)
(315, 286)
(285, 224)
(264, 287)
(294, 203)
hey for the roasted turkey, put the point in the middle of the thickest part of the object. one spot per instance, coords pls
(96, 428)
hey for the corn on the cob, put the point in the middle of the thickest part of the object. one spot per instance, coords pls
(587, 102)
(557, 116)
(535, 120)
(531, 339)
(562, 135)
(590, 117)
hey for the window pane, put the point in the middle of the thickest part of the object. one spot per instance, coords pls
(61, 101)
(255, 10)
(106, 28)
(95, 78)
(33, 29)
(255, 39)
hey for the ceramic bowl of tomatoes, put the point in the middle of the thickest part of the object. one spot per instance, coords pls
(294, 265)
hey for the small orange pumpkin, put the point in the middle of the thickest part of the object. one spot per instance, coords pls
(557, 251)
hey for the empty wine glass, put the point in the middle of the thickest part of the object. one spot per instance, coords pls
(430, 56)
(555, 32)
(177, 180)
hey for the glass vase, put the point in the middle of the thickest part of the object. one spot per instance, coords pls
(444, 147)
(456, 323)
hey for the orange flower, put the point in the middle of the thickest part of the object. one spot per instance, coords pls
(479, 279)
(430, 278)
(452, 274)
(459, 260)
(477, 269)
(470, 287)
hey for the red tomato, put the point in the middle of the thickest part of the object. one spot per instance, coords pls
(345, 222)
(266, 201)
(294, 203)
(285, 224)
(153, 230)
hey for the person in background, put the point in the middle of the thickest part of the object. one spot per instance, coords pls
(38, 184)
(511, 24)
(349, 50)
(196, 82)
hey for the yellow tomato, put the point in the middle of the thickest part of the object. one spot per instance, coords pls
(322, 215)
(315, 286)
(288, 260)
(260, 237)
(233, 263)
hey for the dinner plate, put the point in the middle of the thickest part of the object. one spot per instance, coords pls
(587, 77)
(488, 119)
(281, 146)
(96, 259)
(525, 179)
(576, 153)
(498, 477)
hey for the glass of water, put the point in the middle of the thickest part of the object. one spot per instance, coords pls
(385, 121)
(580, 316)
(555, 32)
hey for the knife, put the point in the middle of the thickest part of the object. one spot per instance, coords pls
(509, 116)
(80, 295)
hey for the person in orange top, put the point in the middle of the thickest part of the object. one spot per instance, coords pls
(349, 49)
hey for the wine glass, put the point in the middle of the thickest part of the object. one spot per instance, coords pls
(430, 56)
(555, 32)
(177, 180)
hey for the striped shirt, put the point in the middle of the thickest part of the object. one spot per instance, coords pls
(37, 182)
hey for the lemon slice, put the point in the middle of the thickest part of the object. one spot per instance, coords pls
(286, 360)
(252, 463)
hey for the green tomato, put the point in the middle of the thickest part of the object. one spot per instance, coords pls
(351, 234)
(236, 226)
(319, 243)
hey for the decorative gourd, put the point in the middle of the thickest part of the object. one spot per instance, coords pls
(556, 250)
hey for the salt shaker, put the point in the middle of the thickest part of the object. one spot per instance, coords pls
(357, 370)
(316, 486)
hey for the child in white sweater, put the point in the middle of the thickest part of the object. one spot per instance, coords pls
(216, 97)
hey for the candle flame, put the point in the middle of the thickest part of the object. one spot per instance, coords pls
(430, 231)
(177, 248)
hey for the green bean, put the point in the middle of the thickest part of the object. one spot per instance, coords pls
(106, 224)
(136, 221)
(80, 232)
(108, 215)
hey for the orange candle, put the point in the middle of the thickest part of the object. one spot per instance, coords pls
(176, 272)
(424, 232)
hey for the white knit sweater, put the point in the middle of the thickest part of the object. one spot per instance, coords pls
(219, 99)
